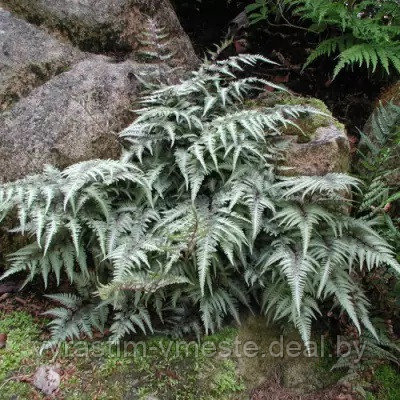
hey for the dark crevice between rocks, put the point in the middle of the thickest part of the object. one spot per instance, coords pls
(206, 22)
(117, 41)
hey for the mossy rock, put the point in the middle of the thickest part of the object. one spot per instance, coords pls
(306, 125)
(318, 142)
(282, 355)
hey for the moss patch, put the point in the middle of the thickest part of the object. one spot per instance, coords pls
(224, 366)
(157, 366)
(283, 354)
(177, 369)
(20, 354)
(23, 333)
(305, 126)
(388, 381)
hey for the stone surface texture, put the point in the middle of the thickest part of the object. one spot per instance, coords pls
(280, 356)
(28, 57)
(318, 143)
(78, 107)
(108, 25)
(328, 151)
(74, 117)
(60, 105)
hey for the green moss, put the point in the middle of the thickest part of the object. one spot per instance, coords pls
(20, 354)
(297, 370)
(226, 380)
(170, 369)
(16, 390)
(304, 127)
(23, 333)
(176, 369)
(388, 380)
(159, 366)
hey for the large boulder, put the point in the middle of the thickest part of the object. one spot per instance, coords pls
(109, 25)
(28, 58)
(74, 117)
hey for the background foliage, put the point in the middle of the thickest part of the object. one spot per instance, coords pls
(356, 33)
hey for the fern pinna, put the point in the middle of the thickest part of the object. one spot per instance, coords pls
(194, 220)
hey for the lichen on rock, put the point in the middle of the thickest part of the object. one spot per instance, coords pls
(318, 142)
(28, 58)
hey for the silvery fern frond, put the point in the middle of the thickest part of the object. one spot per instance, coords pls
(194, 216)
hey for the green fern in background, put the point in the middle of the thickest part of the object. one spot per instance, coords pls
(194, 220)
(365, 33)
(380, 152)
(358, 33)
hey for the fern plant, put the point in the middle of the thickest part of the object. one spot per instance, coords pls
(356, 33)
(379, 156)
(364, 355)
(154, 47)
(380, 152)
(263, 10)
(154, 43)
(195, 220)
(362, 33)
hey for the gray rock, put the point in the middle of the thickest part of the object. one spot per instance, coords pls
(320, 146)
(328, 151)
(74, 117)
(47, 379)
(28, 57)
(103, 25)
